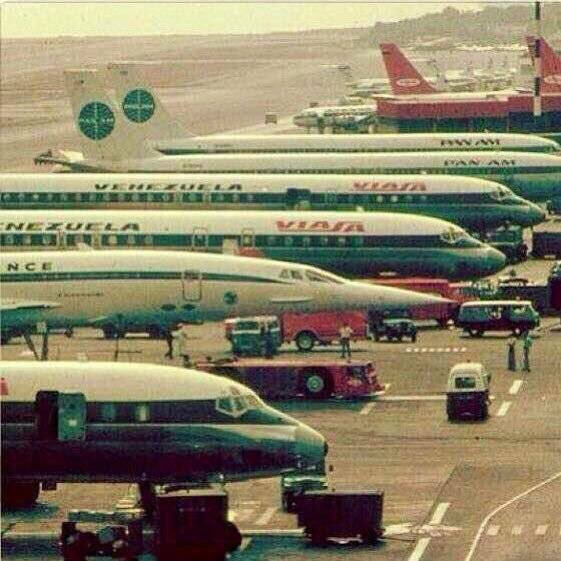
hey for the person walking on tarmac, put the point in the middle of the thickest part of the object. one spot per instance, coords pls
(345, 334)
(511, 356)
(180, 339)
(526, 346)
(169, 341)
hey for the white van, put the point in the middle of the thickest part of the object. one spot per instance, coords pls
(467, 392)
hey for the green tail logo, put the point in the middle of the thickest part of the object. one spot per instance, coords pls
(139, 106)
(96, 120)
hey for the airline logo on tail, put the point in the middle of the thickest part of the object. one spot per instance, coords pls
(405, 79)
(139, 106)
(96, 120)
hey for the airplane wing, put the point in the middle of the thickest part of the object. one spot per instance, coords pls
(71, 161)
(18, 314)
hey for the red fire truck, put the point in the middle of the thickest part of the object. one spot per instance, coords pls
(282, 379)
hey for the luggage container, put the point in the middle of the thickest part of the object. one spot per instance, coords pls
(341, 515)
(194, 525)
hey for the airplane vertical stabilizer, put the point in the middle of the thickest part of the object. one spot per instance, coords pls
(550, 65)
(405, 79)
(103, 131)
(140, 105)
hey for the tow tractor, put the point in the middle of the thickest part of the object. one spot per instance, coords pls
(316, 379)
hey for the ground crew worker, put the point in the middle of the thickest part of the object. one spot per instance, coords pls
(180, 339)
(527, 345)
(169, 341)
(345, 334)
(511, 360)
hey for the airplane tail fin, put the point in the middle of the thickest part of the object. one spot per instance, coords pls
(405, 79)
(104, 133)
(551, 65)
(140, 105)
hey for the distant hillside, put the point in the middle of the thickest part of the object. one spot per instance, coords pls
(494, 24)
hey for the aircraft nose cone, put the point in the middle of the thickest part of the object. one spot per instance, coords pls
(495, 261)
(536, 215)
(311, 447)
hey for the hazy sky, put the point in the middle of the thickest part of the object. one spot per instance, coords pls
(30, 19)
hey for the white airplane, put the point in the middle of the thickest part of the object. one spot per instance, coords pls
(102, 288)
(359, 244)
(140, 423)
(475, 204)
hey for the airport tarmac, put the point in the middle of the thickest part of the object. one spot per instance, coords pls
(442, 480)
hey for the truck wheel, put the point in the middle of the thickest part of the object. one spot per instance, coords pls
(485, 412)
(399, 338)
(232, 537)
(69, 332)
(19, 494)
(111, 332)
(317, 385)
(305, 341)
(414, 338)
(376, 337)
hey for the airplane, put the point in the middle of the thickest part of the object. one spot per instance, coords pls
(111, 288)
(356, 244)
(475, 204)
(143, 423)
(406, 80)
(144, 110)
(109, 143)
(550, 65)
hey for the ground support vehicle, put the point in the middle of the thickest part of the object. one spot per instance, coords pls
(294, 485)
(394, 327)
(510, 241)
(442, 313)
(467, 391)
(282, 379)
(341, 515)
(248, 335)
(517, 316)
(546, 244)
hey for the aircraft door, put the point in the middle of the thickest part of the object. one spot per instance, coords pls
(200, 238)
(298, 198)
(248, 237)
(192, 286)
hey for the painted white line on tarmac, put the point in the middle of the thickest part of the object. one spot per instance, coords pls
(439, 513)
(516, 530)
(515, 388)
(367, 408)
(265, 518)
(489, 517)
(417, 553)
(541, 530)
(245, 544)
(503, 409)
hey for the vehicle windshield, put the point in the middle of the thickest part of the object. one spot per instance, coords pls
(246, 325)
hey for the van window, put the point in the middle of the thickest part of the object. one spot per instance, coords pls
(142, 413)
(465, 382)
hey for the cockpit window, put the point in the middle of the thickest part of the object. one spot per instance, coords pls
(297, 275)
(500, 194)
(237, 404)
(452, 236)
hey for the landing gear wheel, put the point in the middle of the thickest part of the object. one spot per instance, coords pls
(69, 332)
(317, 385)
(476, 332)
(111, 332)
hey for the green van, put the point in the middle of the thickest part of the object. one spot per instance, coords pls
(517, 316)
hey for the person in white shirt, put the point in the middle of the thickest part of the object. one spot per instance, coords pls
(180, 339)
(345, 334)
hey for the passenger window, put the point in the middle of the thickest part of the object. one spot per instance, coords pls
(306, 241)
(112, 240)
(296, 274)
(107, 413)
(148, 240)
(26, 240)
(394, 198)
(465, 382)
(379, 199)
(271, 241)
(142, 413)
(131, 240)
(285, 274)
(341, 241)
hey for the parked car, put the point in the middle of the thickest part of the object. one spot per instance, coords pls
(467, 391)
(517, 316)
(394, 327)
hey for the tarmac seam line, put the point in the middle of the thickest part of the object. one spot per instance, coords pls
(488, 518)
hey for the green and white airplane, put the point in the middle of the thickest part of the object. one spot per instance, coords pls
(357, 244)
(101, 288)
(147, 424)
(475, 204)
(111, 143)
(142, 107)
